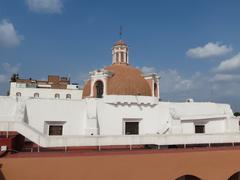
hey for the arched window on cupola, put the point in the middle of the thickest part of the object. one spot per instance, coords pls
(98, 89)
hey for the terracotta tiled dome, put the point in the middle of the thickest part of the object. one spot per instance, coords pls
(87, 89)
(126, 80)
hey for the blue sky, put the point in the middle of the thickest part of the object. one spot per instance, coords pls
(193, 45)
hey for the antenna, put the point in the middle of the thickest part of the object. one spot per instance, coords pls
(120, 33)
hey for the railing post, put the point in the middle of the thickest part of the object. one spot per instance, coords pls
(99, 147)
(38, 143)
(130, 147)
(65, 142)
(7, 130)
(158, 147)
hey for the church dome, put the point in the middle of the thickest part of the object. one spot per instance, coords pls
(125, 80)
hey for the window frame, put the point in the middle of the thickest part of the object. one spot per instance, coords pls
(125, 120)
(57, 96)
(68, 96)
(199, 130)
(36, 95)
(55, 126)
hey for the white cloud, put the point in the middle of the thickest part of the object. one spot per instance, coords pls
(10, 69)
(229, 64)
(209, 50)
(148, 69)
(45, 6)
(8, 35)
(6, 71)
(3, 78)
(225, 78)
(172, 81)
(222, 88)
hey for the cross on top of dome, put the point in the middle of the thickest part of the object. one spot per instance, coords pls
(120, 51)
(120, 43)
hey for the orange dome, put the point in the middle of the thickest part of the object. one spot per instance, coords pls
(126, 80)
(87, 89)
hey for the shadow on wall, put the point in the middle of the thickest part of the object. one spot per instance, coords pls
(235, 176)
(1, 174)
(188, 177)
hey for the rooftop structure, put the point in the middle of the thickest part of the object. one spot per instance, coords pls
(54, 87)
(121, 78)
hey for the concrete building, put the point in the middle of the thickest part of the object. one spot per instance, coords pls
(54, 88)
(119, 105)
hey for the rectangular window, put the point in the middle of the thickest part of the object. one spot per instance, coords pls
(55, 130)
(131, 128)
(199, 129)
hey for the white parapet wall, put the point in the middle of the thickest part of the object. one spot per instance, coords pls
(101, 122)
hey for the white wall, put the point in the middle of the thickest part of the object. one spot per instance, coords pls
(201, 108)
(44, 92)
(152, 118)
(106, 116)
(215, 126)
(211, 126)
(71, 112)
(7, 108)
(188, 127)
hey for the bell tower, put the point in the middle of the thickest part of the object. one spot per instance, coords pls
(120, 51)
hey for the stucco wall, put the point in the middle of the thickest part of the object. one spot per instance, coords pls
(70, 112)
(152, 118)
(7, 106)
(107, 116)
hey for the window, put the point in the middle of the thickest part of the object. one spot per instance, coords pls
(36, 95)
(99, 89)
(122, 57)
(68, 96)
(18, 94)
(199, 129)
(131, 128)
(117, 57)
(55, 130)
(57, 96)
